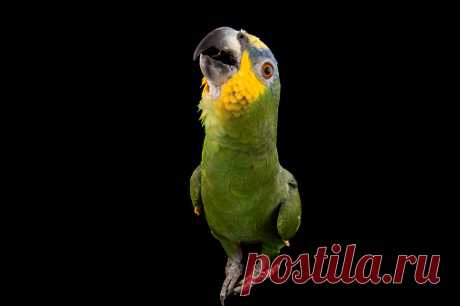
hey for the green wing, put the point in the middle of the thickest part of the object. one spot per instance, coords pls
(195, 191)
(290, 210)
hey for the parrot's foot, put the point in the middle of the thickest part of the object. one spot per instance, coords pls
(257, 269)
(233, 271)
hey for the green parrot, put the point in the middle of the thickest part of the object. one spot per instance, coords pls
(245, 194)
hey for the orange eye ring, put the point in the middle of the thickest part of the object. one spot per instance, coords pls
(267, 70)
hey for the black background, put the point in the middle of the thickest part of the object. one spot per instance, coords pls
(364, 125)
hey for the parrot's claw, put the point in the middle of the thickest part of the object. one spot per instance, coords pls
(197, 211)
(233, 271)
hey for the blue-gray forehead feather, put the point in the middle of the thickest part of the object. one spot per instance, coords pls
(257, 54)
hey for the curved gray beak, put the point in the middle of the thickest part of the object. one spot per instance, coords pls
(220, 53)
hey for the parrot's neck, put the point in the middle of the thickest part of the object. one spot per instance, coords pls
(246, 144)
(250, 152)
(251, 137)
(230, 144)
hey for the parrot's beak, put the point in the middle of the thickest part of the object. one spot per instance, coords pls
(220, 54)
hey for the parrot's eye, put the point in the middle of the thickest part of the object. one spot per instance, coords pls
(267, 70)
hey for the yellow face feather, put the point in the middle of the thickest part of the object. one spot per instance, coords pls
(242, 89)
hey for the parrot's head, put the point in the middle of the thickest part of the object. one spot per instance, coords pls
(241, 80)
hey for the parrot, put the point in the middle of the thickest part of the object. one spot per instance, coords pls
(244, 193)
